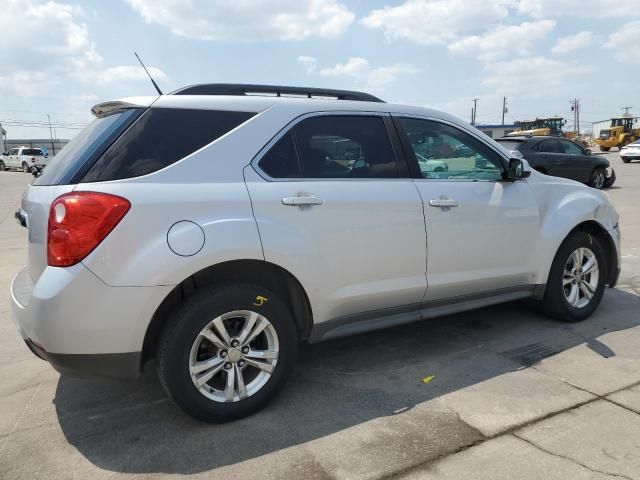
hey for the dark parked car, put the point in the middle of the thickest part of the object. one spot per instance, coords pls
(562, 158)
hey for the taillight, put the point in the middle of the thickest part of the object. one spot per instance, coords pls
(78, 222)
(33, 160)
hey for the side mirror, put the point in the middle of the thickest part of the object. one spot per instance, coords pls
(516, 169)
(588, 151)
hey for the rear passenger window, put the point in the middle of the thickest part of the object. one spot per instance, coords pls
(281, 161)
(551, 146)
(159, 138)
(345, 147)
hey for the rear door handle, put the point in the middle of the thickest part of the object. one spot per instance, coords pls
(443, 202)
(302, 201)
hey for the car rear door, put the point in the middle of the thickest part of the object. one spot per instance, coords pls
(577, 166)
(336, 208)
(480, 229)
(554, 160)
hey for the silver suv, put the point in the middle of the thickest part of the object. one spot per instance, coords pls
(214, 228)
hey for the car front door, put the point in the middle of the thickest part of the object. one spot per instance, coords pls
(335, 206)
(12, 155)
(480, 229)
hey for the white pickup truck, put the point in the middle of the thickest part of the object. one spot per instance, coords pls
(25, 159)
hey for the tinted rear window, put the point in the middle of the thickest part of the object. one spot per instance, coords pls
(161, 137)
(510, 144)
(33, 152)
(72, 161)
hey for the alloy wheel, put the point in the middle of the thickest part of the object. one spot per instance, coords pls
(234, 356)
(598, 179)
(580, 277)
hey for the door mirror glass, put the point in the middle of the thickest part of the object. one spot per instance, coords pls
(516, 169)
(588, 151)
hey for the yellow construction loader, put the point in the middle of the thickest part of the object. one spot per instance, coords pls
(620, 133)
(539, 127)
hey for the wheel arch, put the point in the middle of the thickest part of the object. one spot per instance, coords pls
(260, 272)
(594, 228)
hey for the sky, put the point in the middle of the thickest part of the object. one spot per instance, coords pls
(59, 58)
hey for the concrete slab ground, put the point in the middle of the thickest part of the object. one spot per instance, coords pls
(513, 395)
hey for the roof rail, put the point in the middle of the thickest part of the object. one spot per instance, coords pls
(235, 89)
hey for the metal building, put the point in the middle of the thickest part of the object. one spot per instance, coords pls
(3, 139)
(52, 147)
(496, 131)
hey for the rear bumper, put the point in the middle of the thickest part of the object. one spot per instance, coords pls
(79, 324)
(114, 365)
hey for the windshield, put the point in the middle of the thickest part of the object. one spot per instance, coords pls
(80, 153)
(605, 133)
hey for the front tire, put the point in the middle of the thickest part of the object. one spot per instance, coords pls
(2, 166)
(227, 352)
(604, 149)
(598, 178)
(576, 280)
(626, 160)
(25, 167)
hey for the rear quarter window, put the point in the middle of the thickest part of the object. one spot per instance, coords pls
(161, 137)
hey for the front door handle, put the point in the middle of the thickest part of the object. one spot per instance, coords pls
(301, 201)
(443, 202)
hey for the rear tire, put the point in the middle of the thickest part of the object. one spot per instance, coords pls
(598, 178)
(571, 294)
(187, 342)
(626, 160)
(604, 149)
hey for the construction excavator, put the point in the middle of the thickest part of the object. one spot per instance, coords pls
(620, 133)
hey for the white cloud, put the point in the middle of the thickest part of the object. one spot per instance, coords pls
(360, 72)
(435, 21)
(121, 73)
(578, 8)
(534, 77)
(46, 49)
(248, 20)
(628, 35)
(33, 35)
(502, 40)
(571, 43)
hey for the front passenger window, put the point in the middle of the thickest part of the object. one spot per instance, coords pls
(446, 152)
(571, 148)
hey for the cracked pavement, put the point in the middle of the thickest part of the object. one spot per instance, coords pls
(513, 395)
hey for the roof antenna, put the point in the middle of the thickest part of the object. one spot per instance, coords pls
(150, 77)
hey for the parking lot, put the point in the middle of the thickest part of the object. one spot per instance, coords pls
(497, 393)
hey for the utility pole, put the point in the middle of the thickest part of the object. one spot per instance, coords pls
(626, 111)
(474, 111)
(53, 148)
(575, 108)
(504, 108)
